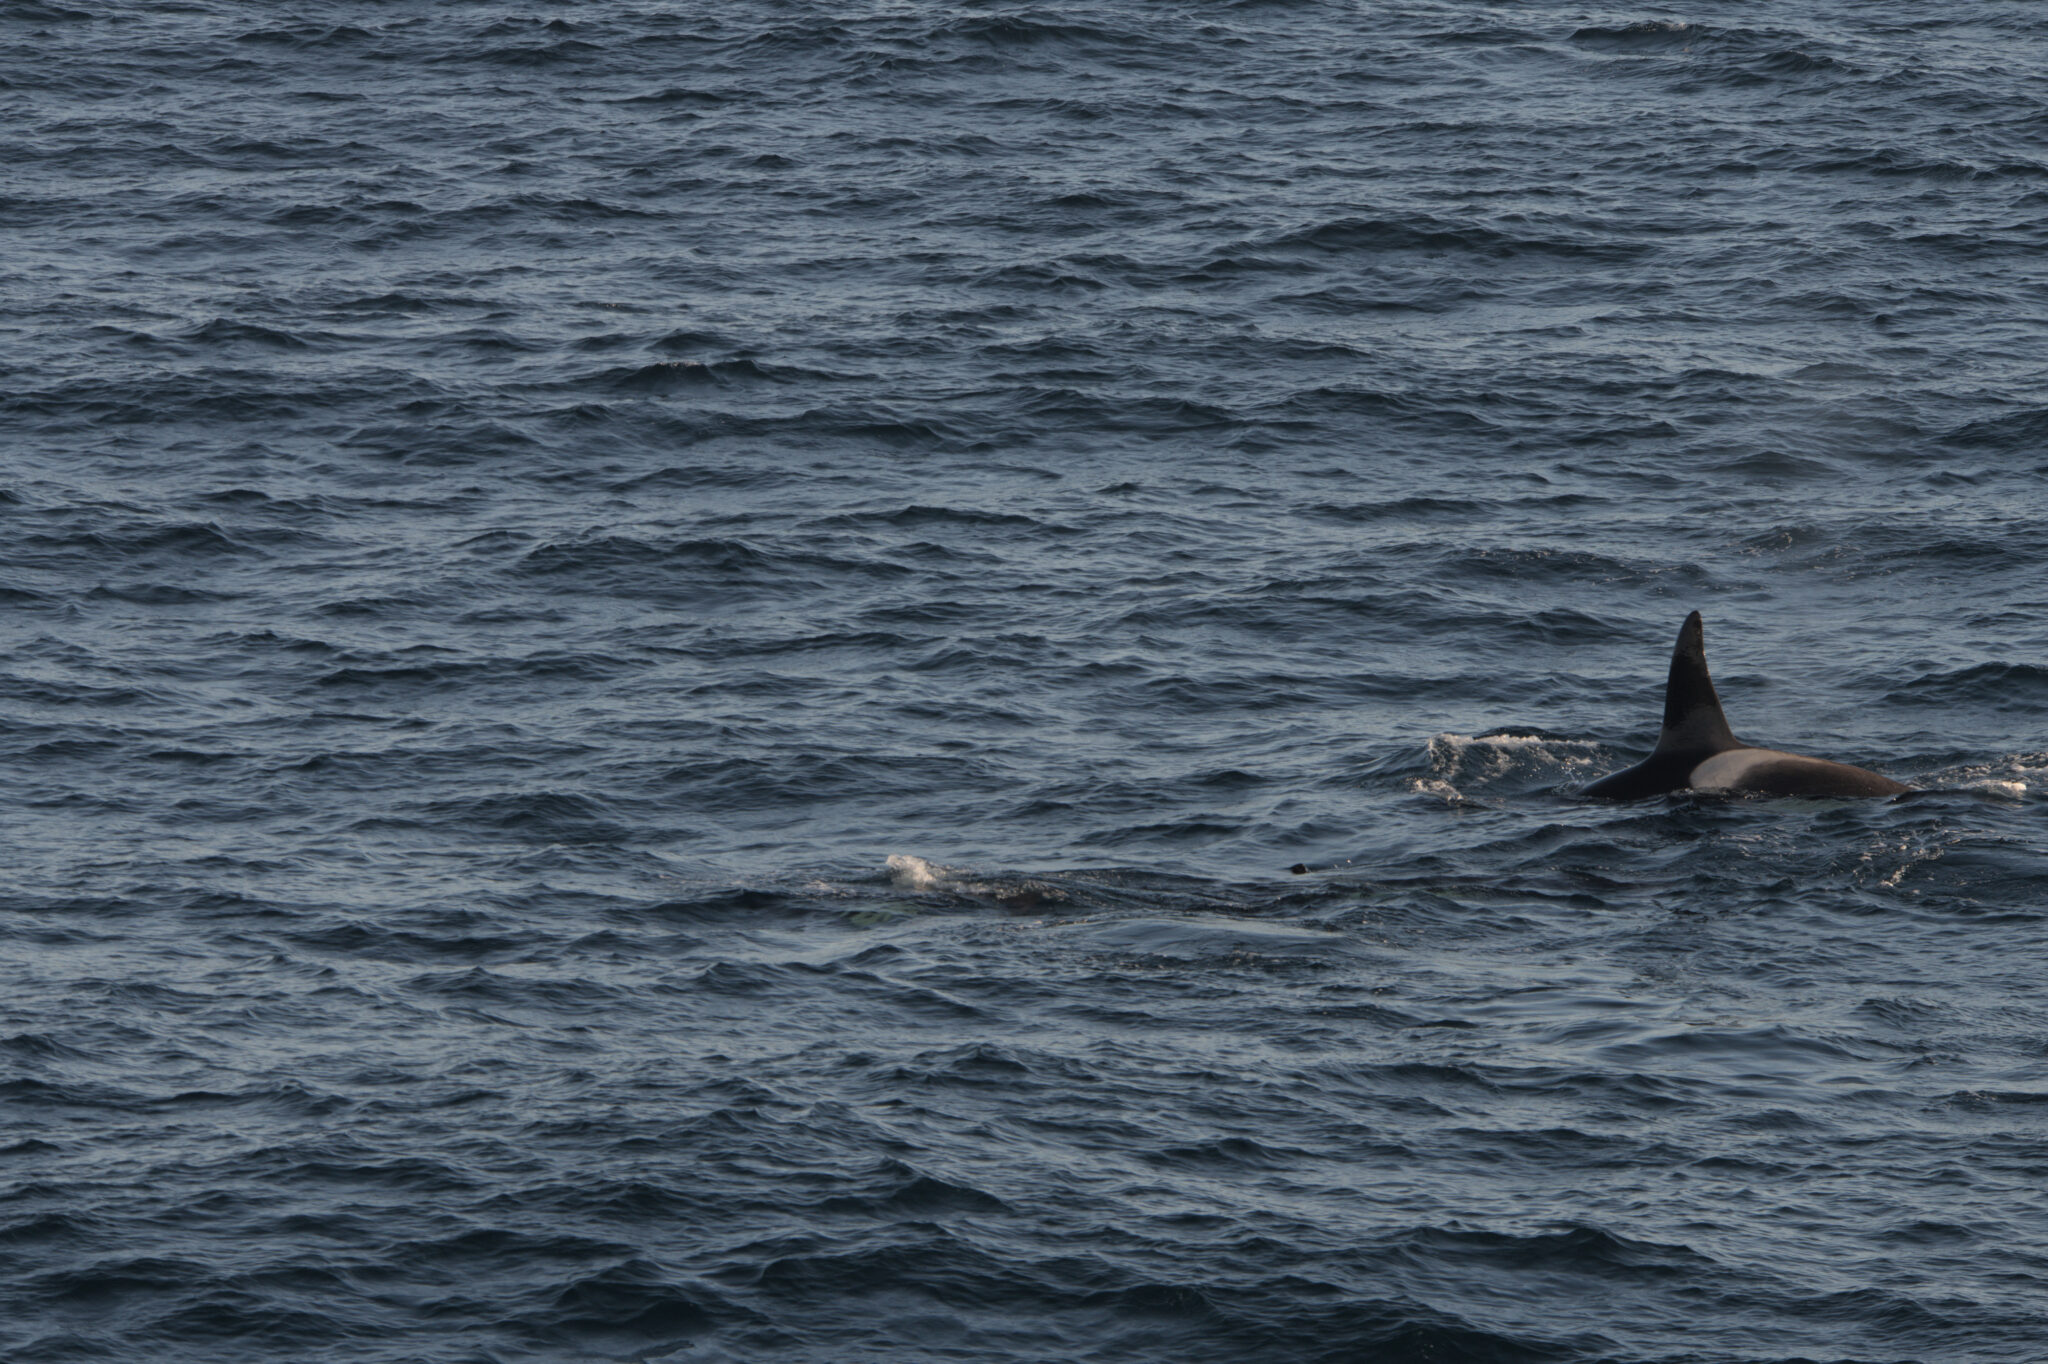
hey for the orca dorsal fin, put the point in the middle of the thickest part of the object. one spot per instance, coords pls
(1693, 722)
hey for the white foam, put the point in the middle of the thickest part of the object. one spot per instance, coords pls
(1992, 786)
(2009, 778)
(1458, 742)
(914, 873)
(1443, 790)
(1462, 758)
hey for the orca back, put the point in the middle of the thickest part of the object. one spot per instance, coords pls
(1696, 750)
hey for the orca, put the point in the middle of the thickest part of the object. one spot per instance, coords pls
(1696, 751)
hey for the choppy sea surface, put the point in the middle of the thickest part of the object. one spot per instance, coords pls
(662, 666)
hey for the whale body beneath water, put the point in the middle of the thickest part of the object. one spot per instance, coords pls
(1696, 751)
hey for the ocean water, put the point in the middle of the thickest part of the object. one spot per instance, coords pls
(663, 664)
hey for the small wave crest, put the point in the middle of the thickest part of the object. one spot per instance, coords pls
(1656, 35)
(914, 873)
(1505, 763)
(1020, 895)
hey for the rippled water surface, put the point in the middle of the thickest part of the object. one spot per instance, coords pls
(663, 664)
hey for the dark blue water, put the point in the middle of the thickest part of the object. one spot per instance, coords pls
(662, 664)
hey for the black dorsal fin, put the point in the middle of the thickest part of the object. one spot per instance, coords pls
(1693, 722)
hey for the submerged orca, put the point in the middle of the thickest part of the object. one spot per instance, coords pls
(1696, 751)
